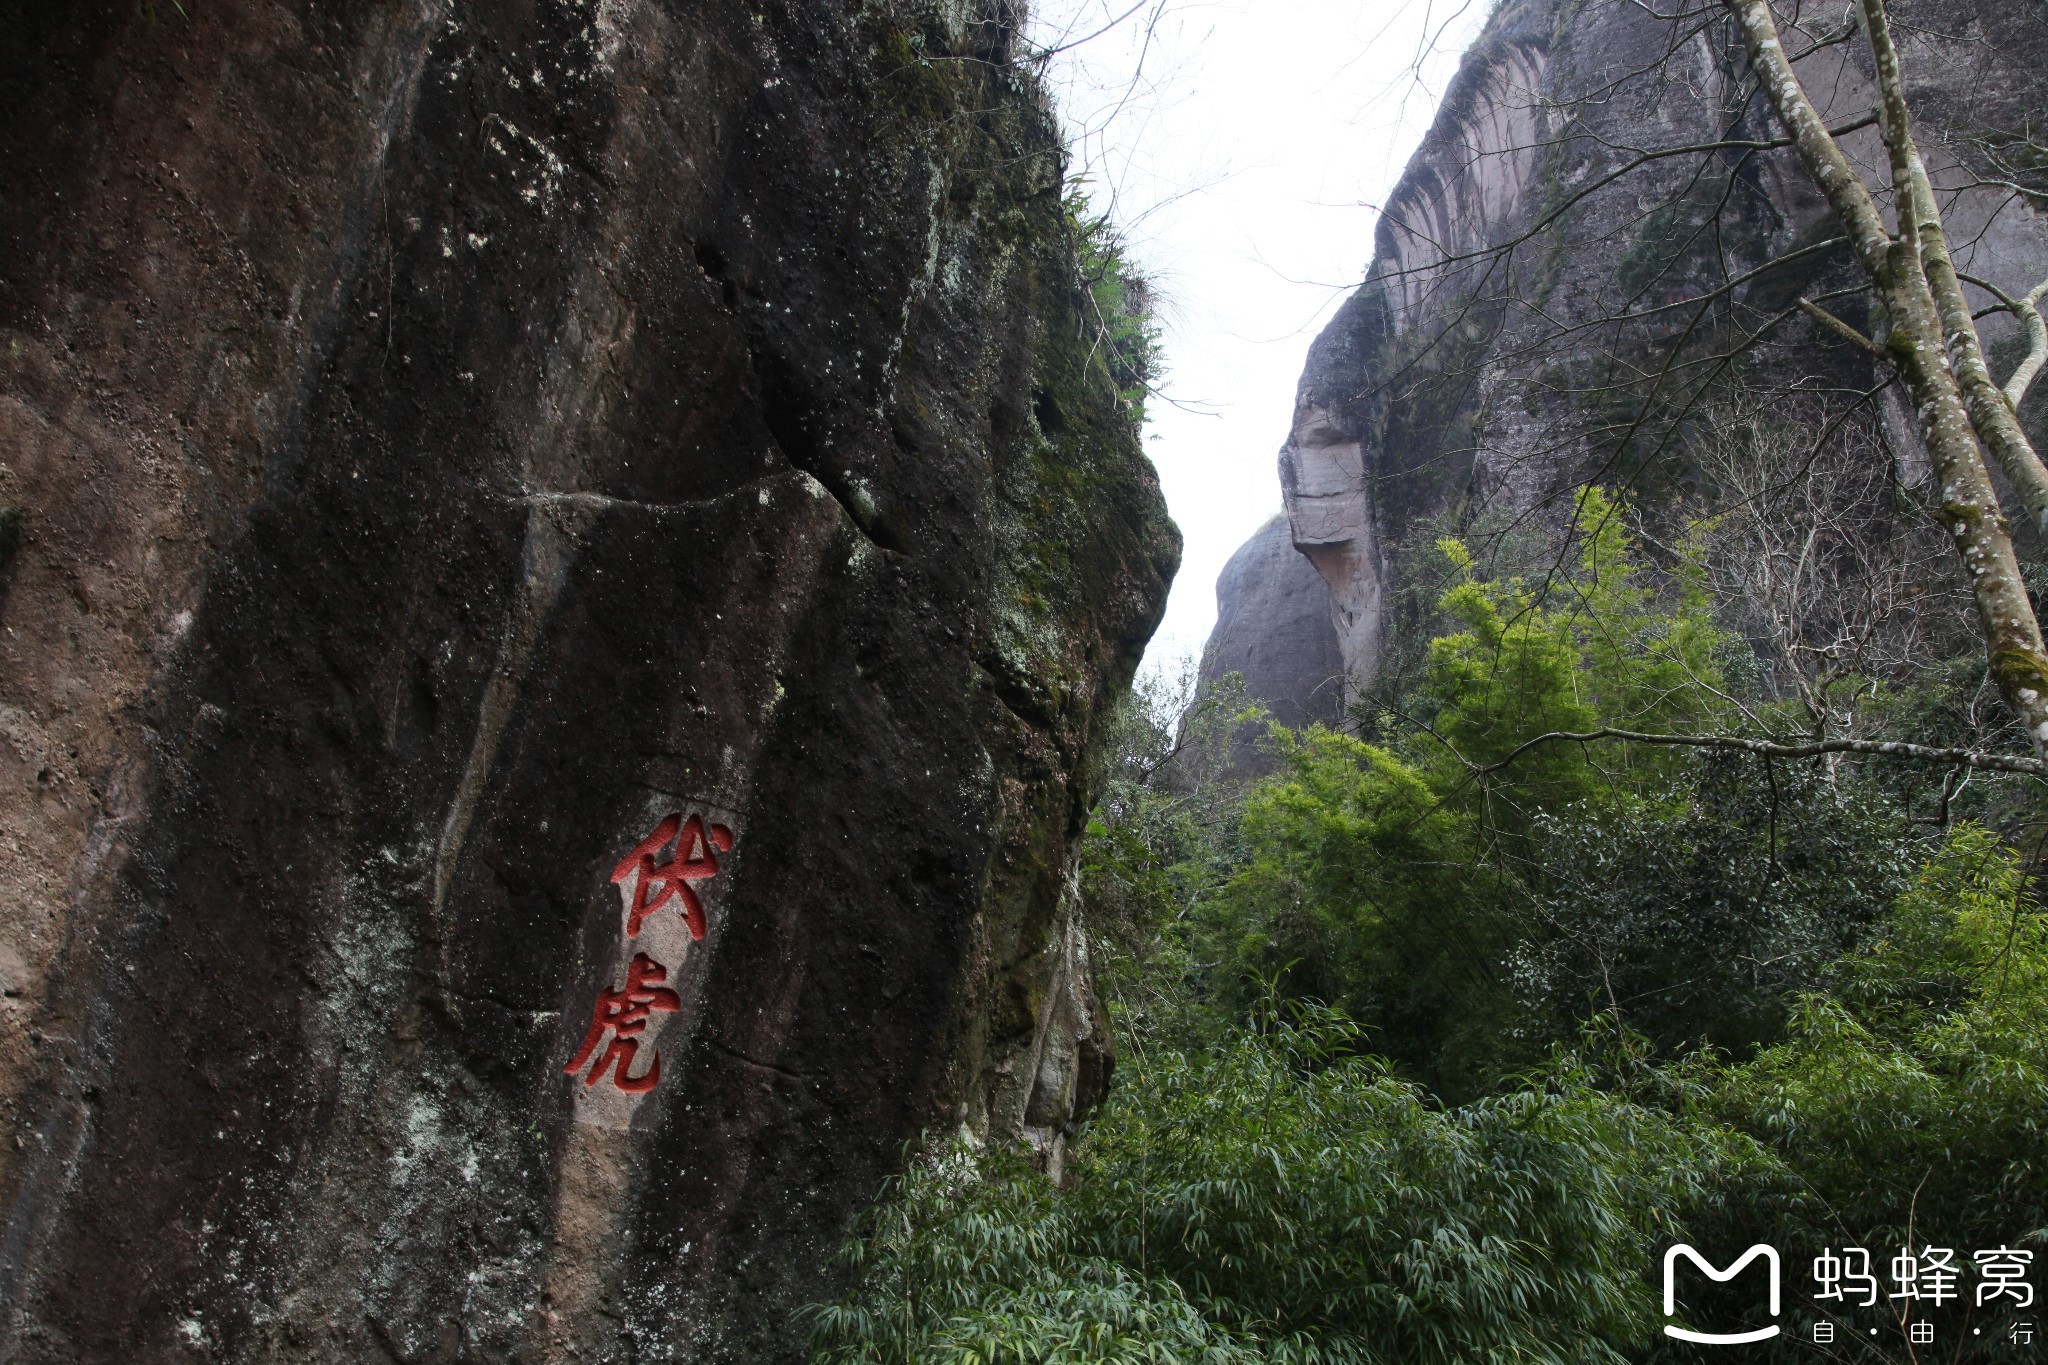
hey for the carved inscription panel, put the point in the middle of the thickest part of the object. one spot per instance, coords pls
(668, 893)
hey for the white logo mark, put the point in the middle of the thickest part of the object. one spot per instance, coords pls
(1770, 1255)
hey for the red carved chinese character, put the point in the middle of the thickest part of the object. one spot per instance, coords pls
(624, 1012)
(696, 858)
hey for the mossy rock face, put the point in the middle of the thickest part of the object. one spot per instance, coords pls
(686, 410)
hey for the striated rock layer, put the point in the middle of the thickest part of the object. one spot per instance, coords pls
(1516, 293)
(443, 446)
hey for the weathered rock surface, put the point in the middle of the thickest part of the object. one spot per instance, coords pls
(1468, 371)
(441, 442)
(1273, 629)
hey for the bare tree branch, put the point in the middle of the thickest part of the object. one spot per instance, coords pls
(1875, 748)
(2027, 309)
(1842, 329)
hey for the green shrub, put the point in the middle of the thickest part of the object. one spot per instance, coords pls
(1283, 1198)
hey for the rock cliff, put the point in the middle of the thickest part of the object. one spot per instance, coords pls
(560, 569)
(1273, 629)
(1534, 284)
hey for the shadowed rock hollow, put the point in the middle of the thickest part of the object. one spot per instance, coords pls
(439, 443)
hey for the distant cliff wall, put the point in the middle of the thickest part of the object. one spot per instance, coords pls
(564, 566)
(1274, 630)
(1517, 299)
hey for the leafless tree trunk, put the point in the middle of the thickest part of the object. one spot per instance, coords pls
(1934, 344)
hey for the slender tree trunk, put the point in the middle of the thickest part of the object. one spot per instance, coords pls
(1996, 422)
(1900, 272)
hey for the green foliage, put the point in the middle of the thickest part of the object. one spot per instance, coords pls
(1435, 1037)
(1918, 1086)
(1693, 914)
(977, 1262)
(1161, 840)
(1361, 890)
(1395, 880)
(1125, 332)
(1595, 646)
(1281, 1198)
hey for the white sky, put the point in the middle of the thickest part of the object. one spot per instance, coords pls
(1242, 156)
